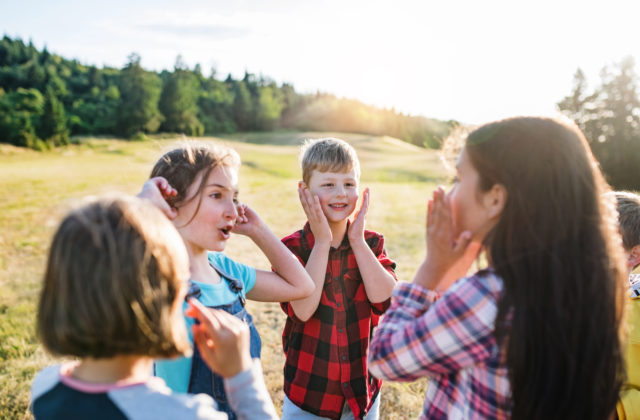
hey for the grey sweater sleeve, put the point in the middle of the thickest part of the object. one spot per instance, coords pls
(248, 396)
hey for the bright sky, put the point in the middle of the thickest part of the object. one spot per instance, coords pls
(469, 60)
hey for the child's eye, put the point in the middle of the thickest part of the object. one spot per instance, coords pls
(235, 200)
(215, 195)
(327, 185)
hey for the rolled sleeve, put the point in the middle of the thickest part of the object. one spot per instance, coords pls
(423, 334)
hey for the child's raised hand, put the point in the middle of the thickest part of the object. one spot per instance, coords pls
(448, 257)
(156, 190)
(317, 220)
(248, 222)
(223, 339)
(356, 228)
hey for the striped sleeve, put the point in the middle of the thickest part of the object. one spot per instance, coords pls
(423, 336)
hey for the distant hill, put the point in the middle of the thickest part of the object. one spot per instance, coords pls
(45, 98)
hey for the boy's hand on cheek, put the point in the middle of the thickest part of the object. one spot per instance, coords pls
(356, 228)
(317, 220)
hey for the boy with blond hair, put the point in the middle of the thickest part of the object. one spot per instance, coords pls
(629, 220)
(326, 336)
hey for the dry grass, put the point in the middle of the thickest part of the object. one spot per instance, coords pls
(39, 187)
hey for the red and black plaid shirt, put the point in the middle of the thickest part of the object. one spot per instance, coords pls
(326, 357)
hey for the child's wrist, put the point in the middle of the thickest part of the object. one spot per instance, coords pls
(358, 243)
(259, 232)
(430, 274)
(322, 243)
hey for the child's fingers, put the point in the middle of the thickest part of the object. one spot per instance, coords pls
(436, 208)
(303, 194)
(206, 317)
(227, 324)
(167, 189)
(200, 336)
(364, 206)
(462, 242)
(317, 208)
(241, 209)
(446, 210)
(207, 348)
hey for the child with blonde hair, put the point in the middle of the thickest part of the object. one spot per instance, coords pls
(112, 297)
(326, 336)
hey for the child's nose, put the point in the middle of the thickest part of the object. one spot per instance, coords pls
(231, 211)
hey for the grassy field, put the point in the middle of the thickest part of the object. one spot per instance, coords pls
(37, 188)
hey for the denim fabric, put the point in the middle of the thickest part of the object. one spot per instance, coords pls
(202, 379)
(290, 411)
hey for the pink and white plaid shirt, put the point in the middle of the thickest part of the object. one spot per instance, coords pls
(451, 340)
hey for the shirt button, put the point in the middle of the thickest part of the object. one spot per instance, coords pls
(345, 384)
(344, 357)
(340, 330)
(338, 305)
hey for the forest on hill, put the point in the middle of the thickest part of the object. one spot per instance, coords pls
(45, 99)
(609, 115)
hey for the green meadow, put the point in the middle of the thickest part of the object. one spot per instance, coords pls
(38, 187)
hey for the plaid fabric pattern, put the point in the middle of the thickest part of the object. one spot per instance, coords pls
(326, 357)
(451, 340)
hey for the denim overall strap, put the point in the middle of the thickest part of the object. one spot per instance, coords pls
(202, 379)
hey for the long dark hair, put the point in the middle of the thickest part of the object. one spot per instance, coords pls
(557, 250)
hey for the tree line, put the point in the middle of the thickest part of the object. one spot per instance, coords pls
(609, 115)
(45, 99)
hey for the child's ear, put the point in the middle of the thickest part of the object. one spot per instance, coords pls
(302, 185)
(634, 256)
(495, 200)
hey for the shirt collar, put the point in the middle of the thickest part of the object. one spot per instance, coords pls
(308, 236)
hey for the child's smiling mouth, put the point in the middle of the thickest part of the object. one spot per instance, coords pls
(338, 206)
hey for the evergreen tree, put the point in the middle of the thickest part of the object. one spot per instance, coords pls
(269, 108)
(610, 119)
(619, 143)
(215, 106)
(53, 124)
(179, 102)
(139, 94)
(20, 113)
(242, 106)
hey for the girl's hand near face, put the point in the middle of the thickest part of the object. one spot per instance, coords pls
(248, 222)
(448, 258)
(157, 190)
(317, 220)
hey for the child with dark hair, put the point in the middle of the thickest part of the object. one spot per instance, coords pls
(629, 220)
(112, 297)
(535, 335)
